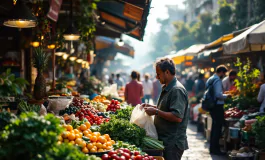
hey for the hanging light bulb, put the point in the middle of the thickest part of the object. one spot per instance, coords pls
(71, 34)
(73, 58)
(21, 17)
(60, 52)
(79, 60)
(65, 56)
(51, 46)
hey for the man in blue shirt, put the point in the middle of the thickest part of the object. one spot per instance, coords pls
(217, 113)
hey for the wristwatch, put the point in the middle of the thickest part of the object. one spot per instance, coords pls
(157, 111)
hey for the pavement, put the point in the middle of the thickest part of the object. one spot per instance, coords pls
(198, 147)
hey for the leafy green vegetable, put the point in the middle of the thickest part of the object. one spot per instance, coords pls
(121, 144)
(30, 134)
(5, 118)
(123, 113)
(120, 129)
(259, 129)
(23, 106)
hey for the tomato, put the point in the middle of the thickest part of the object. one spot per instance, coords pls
(126, 150)
(151, 157)
(112, 101)
(105, 157)
(136, 153)
(126, 155)
(119, 151)
(122, 158)
(138, 157)
(115, 156)
(112, 152)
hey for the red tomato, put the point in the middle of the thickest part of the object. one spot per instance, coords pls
(126, 155)
(112, 152)
(105, 157)
(115, 156)
(122, 158)
(136, 153)
(127, 150)
(138, 157)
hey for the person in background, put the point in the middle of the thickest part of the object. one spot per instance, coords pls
(229, 81)
(148, 87)
(111, 79)
(119, 81)
(171, 112)
(189, 84)
(133, 90)
(157, 88)
(200, 85)
(138, 77)
(217, 113)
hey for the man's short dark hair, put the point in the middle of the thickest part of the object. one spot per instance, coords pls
(221, 68)
(166, 64)
(201, 76)
(232, 73)
(118, 75)
(134, 75)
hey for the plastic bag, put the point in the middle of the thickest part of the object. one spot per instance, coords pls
(43, 110)
(141, 119)
(55, 105)
(110, 91)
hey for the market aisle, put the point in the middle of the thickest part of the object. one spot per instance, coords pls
(198, 146)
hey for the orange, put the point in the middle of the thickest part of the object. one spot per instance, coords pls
(66, 140)
(85, 150)
(82, 144)
(78, 141)
(109, 148)
(93, 150)
(69, 128)
(78, 128)
(71, 136)
(60, 138)
(98, 145)
(65, 134)
(80, 134)
(104, 146)
(89, 131)
(113, 142)
(83, 127)
(102, 139)
(94, 143)
(72, 142)
(88, 125)
(109, 144)
(100, 150)
(76, 131)
(96, 134)
(77, 136)
(88, 135)
(93, 139)
(85, 132)
(89, 146)
(106, 136)
(65, 126)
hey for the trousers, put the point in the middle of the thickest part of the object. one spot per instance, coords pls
(172, 153)
(217, 114)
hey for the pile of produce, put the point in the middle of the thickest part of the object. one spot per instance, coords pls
(123, 130)
(234, 113)
(29, 127)
(124, 113)
(121, 144)
(77, 102)
(91, 115)
(88, 141)
(99, 106)
(114, 106)
(70, 110)
(151, 143)
(101, 99)
(126, 154)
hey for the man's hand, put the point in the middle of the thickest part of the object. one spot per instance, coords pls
(150, 110)
(143, 105)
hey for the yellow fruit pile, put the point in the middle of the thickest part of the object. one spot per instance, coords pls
(101, 99)
(98, 142)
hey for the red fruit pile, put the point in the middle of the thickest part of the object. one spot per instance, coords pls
(114, 106)
(126, 154)
(77, 102)
(234, 113)
(91, 116)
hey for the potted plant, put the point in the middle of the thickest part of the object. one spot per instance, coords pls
(40, 61)
(11, 86)
(259, 129)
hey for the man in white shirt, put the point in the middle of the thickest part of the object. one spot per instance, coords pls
(261, 98)
(148, 87)
(228, 81)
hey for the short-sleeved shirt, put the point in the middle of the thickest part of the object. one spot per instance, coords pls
(134, 92)
(174, 99)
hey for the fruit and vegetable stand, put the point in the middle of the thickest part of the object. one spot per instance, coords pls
(83, 129)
